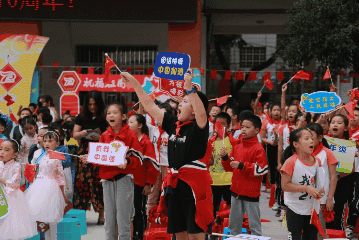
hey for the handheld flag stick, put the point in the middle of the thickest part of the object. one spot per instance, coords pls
(290, 80)
(136, 103)
(330, 76)
(262, 88)
(66, 153)
(115, 65)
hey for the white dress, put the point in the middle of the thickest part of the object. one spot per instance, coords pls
(44, 196)
(19, 223)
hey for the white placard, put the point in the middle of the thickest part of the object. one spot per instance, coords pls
(109, 154)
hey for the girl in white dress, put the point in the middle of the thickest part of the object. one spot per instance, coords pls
(18, 223)
(46, 195)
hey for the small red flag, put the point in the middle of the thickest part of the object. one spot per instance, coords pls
(213, 74)
(56, 155)
(252, 76)
(301, 75)
(228, 75)
(355, 94)
(222, 100)
(129, 69)
(220, 129)
(91, 70)
(150, 70)
(269, 84)
(201, 70)
(280, 76)
(350, 108)
(327, 74)
(239, 76)
(315, 221)
(30, 172)
(266, 76)
(78, 69)
(108, 65)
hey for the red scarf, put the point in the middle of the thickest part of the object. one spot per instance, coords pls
(318, 149)
(352, 131)
(179, 125)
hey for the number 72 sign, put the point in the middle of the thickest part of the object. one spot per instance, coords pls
(109, 154)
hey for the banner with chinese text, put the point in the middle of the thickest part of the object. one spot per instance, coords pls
(18, 58)
(109, 154)
(344, 152)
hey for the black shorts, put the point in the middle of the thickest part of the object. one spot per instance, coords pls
(182, 210)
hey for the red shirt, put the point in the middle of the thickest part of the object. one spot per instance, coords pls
(247, 182)
(129, 138)
(148, 171)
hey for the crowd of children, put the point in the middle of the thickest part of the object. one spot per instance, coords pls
(199, 159)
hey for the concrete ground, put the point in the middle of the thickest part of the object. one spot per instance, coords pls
(271, 229)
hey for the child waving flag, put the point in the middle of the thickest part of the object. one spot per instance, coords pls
(190, 208)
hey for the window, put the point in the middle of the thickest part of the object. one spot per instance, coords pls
(251, 56)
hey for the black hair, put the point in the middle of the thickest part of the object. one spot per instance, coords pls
(356, 109)
(272, 105)
(52, 134)
(141, 120)
(203, 98)
(25, 109)
(256, 121)
(33, 105)
(57, 126)
(43, 110)
(46, 118)
(308, 117)
(244, 114)
(223, 115)
(295, 106)
(235, 110)
(216, 106)
(47, 98)
(166, 106)
(47, 129)
(317, 128)
(346, 123)
(290, 150)
(68, 126)
(96, 95)
(66, 113)
(73, 118)
(171, 100)
(27, 120)
(119, 105)
(2, 122)
(15, 144)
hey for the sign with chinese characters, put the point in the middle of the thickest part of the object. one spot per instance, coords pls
(4, 207)
(69, 82)
(109, 154)
(18, 58)
(344, 152)
(172, 65)
(319, 102)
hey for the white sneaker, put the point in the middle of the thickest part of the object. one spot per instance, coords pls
(348, 233)
(275, 207)
(263, 188)
(282, 215)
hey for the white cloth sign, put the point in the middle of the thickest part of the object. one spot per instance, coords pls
(110, 154)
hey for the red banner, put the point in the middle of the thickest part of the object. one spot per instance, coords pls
(91, 82)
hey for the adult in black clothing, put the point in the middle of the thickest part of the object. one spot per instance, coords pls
(88, 127)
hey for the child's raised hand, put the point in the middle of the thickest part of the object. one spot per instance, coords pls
(95, 138)
(284, 88)
(223, 152)
(312, 191)
(83, 158)
(127, 78)
(259, 94)
(332, 88)
(188, 79)
(234, 164)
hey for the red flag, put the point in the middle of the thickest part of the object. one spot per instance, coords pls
(239, 76)
(222, 100)
(150, 70)
(30, 172)
(78, 69)
(327, 74)
(272, 197)
(280, 76)
(91, 70)
(228, 75)
(213, 74)
(269, 84)
(252, 76)
(108, 65)
(201, 70)
(266, 76)
(301, 75)
(354, 94)
(350, 108)
(129, 69)
(220, 129)
(315, 221)
(56, 155)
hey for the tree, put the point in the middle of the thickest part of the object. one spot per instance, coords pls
(325, 30)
